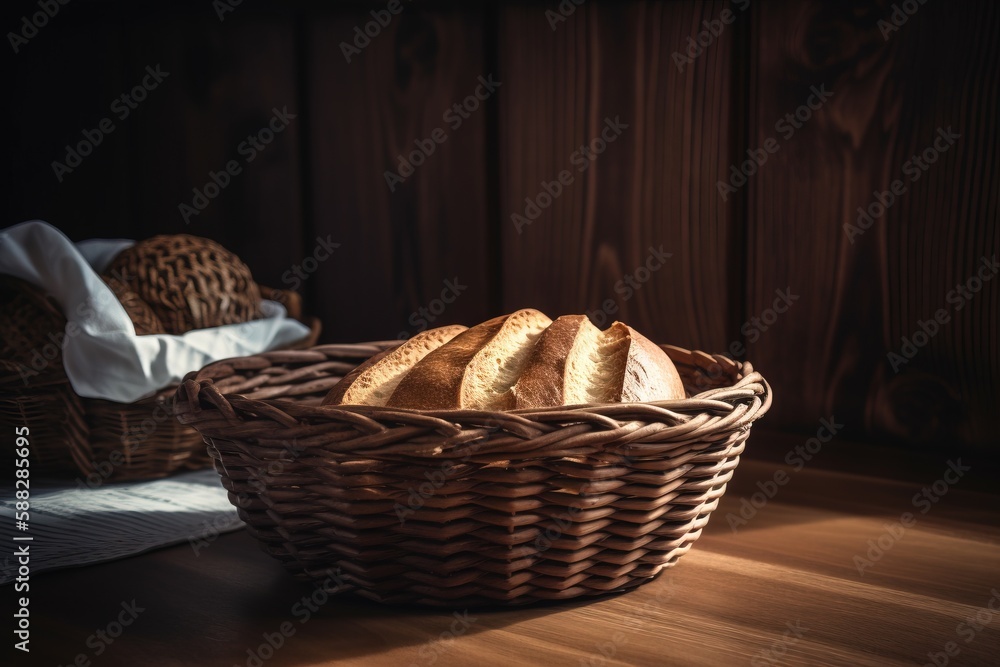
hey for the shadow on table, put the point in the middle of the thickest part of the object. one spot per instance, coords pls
(231, 604)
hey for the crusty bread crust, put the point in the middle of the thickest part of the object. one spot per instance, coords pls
(542, 382)
(373, 382)
(475, 369)
(575, 363)
(497, 366)
(521, 360)
(336, 395)
(650, 375)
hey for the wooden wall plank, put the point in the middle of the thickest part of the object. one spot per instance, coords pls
(401, 248)
(221, 81)
(860, 294)
(226, 80)
(654, 186)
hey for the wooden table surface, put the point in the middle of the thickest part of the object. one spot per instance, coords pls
(783, 589)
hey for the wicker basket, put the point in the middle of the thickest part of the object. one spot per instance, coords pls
(34, 390)
(145, 438)
(54, 415)
(102, 440)
(462, 508)
(144, 320)
(189, 282)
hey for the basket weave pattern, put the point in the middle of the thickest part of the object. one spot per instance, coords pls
(144, 320)
(73, 435)
(34, 389)
(468, 507)
(189, 282)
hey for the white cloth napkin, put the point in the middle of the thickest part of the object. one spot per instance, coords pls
(76, 525)
(105, 359)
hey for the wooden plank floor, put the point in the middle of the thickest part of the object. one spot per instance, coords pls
(782, 589)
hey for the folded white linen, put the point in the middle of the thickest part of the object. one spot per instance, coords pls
(102, 355)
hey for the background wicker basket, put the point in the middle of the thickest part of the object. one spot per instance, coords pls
(144, 320)
(189, 282)
(34, 389)
(463, 508)
(102, 440)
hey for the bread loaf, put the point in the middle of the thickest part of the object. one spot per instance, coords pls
(476, 369)
(521, 360)
(574, 363)
(649, 374)
(373, 382)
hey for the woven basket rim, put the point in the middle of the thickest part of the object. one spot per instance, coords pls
(203, 378)
(199, 403)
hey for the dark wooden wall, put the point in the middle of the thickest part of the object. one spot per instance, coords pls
(859, 299)
(654, 186)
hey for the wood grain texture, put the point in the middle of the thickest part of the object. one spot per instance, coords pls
(861, 294)
(728, 601)
(398, 247)
(226, 81)
(655, 185)
(652, 186)
(221, 81)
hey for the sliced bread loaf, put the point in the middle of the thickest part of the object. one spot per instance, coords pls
(649, 373)
(373, 382)
(574, 362)
(476, 369)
